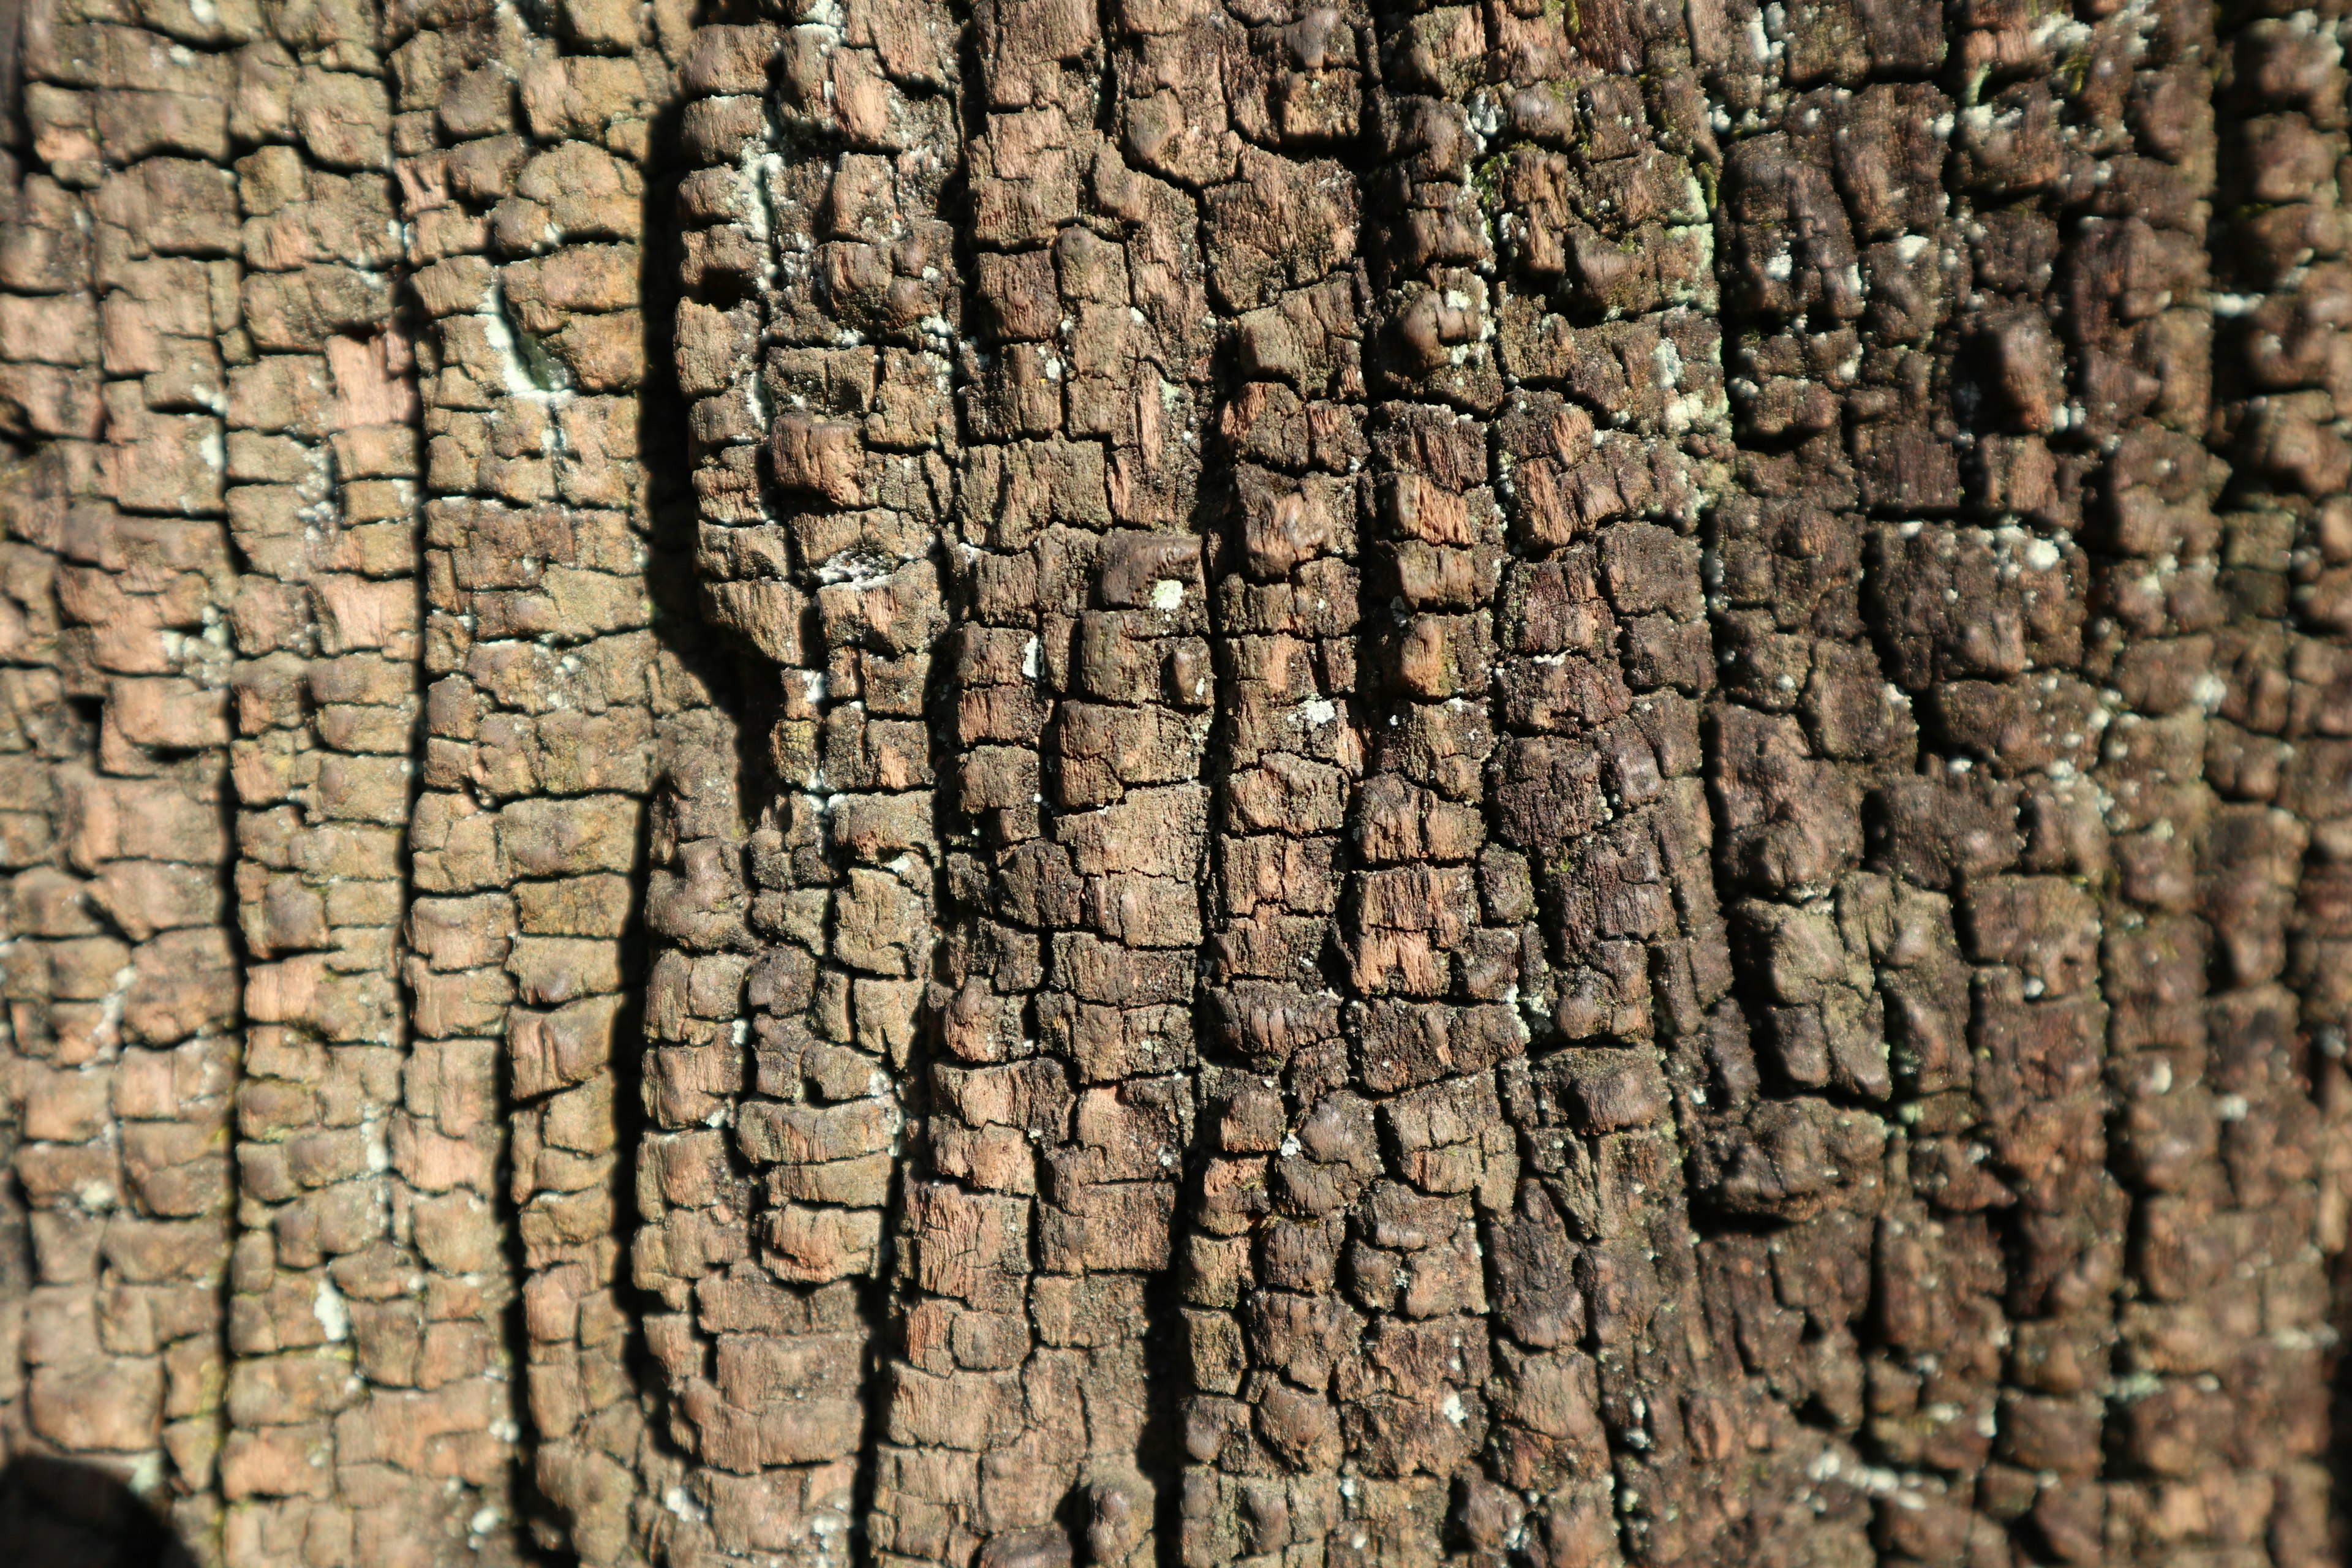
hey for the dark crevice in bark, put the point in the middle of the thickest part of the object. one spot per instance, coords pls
(55, 1513)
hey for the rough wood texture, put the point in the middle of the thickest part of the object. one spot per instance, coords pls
(1030, 784)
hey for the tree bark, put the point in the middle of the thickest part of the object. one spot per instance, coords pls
(1022, 784)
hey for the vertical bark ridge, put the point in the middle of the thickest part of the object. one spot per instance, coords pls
(1364, 1374)
(1858, 858)
(820, 282)
(2077, 196)
(341, 1428)
(120, 314)
(2276, 753)
(1401, 1113)
(1614, 446)
(1836, 258)
(2229, 1086)
(1270, 1343)
(1699, 1366)
(523, 146)
(692, 1253)
(1997, 1203)
(1030, 1293)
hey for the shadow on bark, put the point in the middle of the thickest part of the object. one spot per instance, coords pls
(54, 1513)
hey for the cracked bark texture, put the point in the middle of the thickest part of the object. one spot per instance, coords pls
(1038, 783)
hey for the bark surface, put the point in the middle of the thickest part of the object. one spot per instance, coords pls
(1016, 784)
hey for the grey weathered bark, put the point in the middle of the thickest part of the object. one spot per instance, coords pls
(886, 782)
